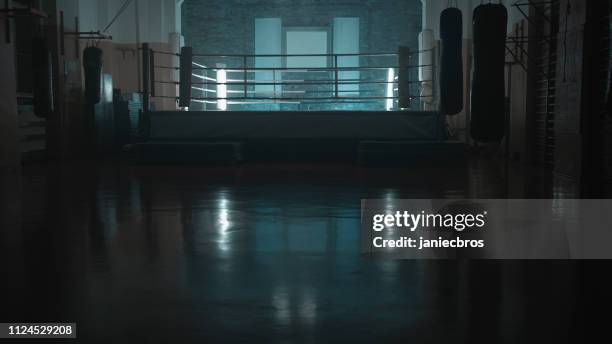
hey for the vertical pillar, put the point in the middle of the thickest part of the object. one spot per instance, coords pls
(145, 78)
(336, 76)
(152, 71)
(173, 90)
(186, 70)
(403, 77)
(9, 129)
(244, 65)
(10, 174)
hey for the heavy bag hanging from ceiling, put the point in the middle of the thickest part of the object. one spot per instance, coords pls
(92, 64)
(488, 122)
(43, 78)
(451, 62)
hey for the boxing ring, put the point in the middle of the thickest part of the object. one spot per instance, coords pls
(350, 102)
(285, 86)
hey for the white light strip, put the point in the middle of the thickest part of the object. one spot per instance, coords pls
(263, 102)
(204, 101)
(222, 89)
(390, 78)
(258, 81)
(199, 65)
(203, 77)
(251, 91)
(203, 89)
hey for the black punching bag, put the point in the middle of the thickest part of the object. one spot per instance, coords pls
(488, 86)
(451, 62)
(43, 78)
(92, 64)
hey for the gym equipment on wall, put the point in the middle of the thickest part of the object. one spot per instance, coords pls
(43, 78)
(488, 115)
(92, 64)
(451, 61)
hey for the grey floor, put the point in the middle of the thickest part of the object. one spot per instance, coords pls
(265, 253)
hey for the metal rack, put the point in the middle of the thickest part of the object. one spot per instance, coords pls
(78, 35)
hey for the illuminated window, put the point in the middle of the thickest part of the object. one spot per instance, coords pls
(307, 41)
(346, 41)
(268, 41)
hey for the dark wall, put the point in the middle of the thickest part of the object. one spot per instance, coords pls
(9, 132)
(582, 122)
(568, 139)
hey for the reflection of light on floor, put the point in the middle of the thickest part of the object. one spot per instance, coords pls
(223, 216)
(308, 308)
(223, 223)
(304, 311)
(390, 202)
(280, 301)
(107, 213)
(390, 199)
(109, 217)
(135, 197)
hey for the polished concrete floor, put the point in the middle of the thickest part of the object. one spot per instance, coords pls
(267, 254)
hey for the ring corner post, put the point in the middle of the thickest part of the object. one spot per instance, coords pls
(185, 68)
(146, 96)
(403, 78)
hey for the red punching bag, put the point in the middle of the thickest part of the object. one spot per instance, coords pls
(43, 78)
(92, 65)
(451, 62)
(488, 122)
